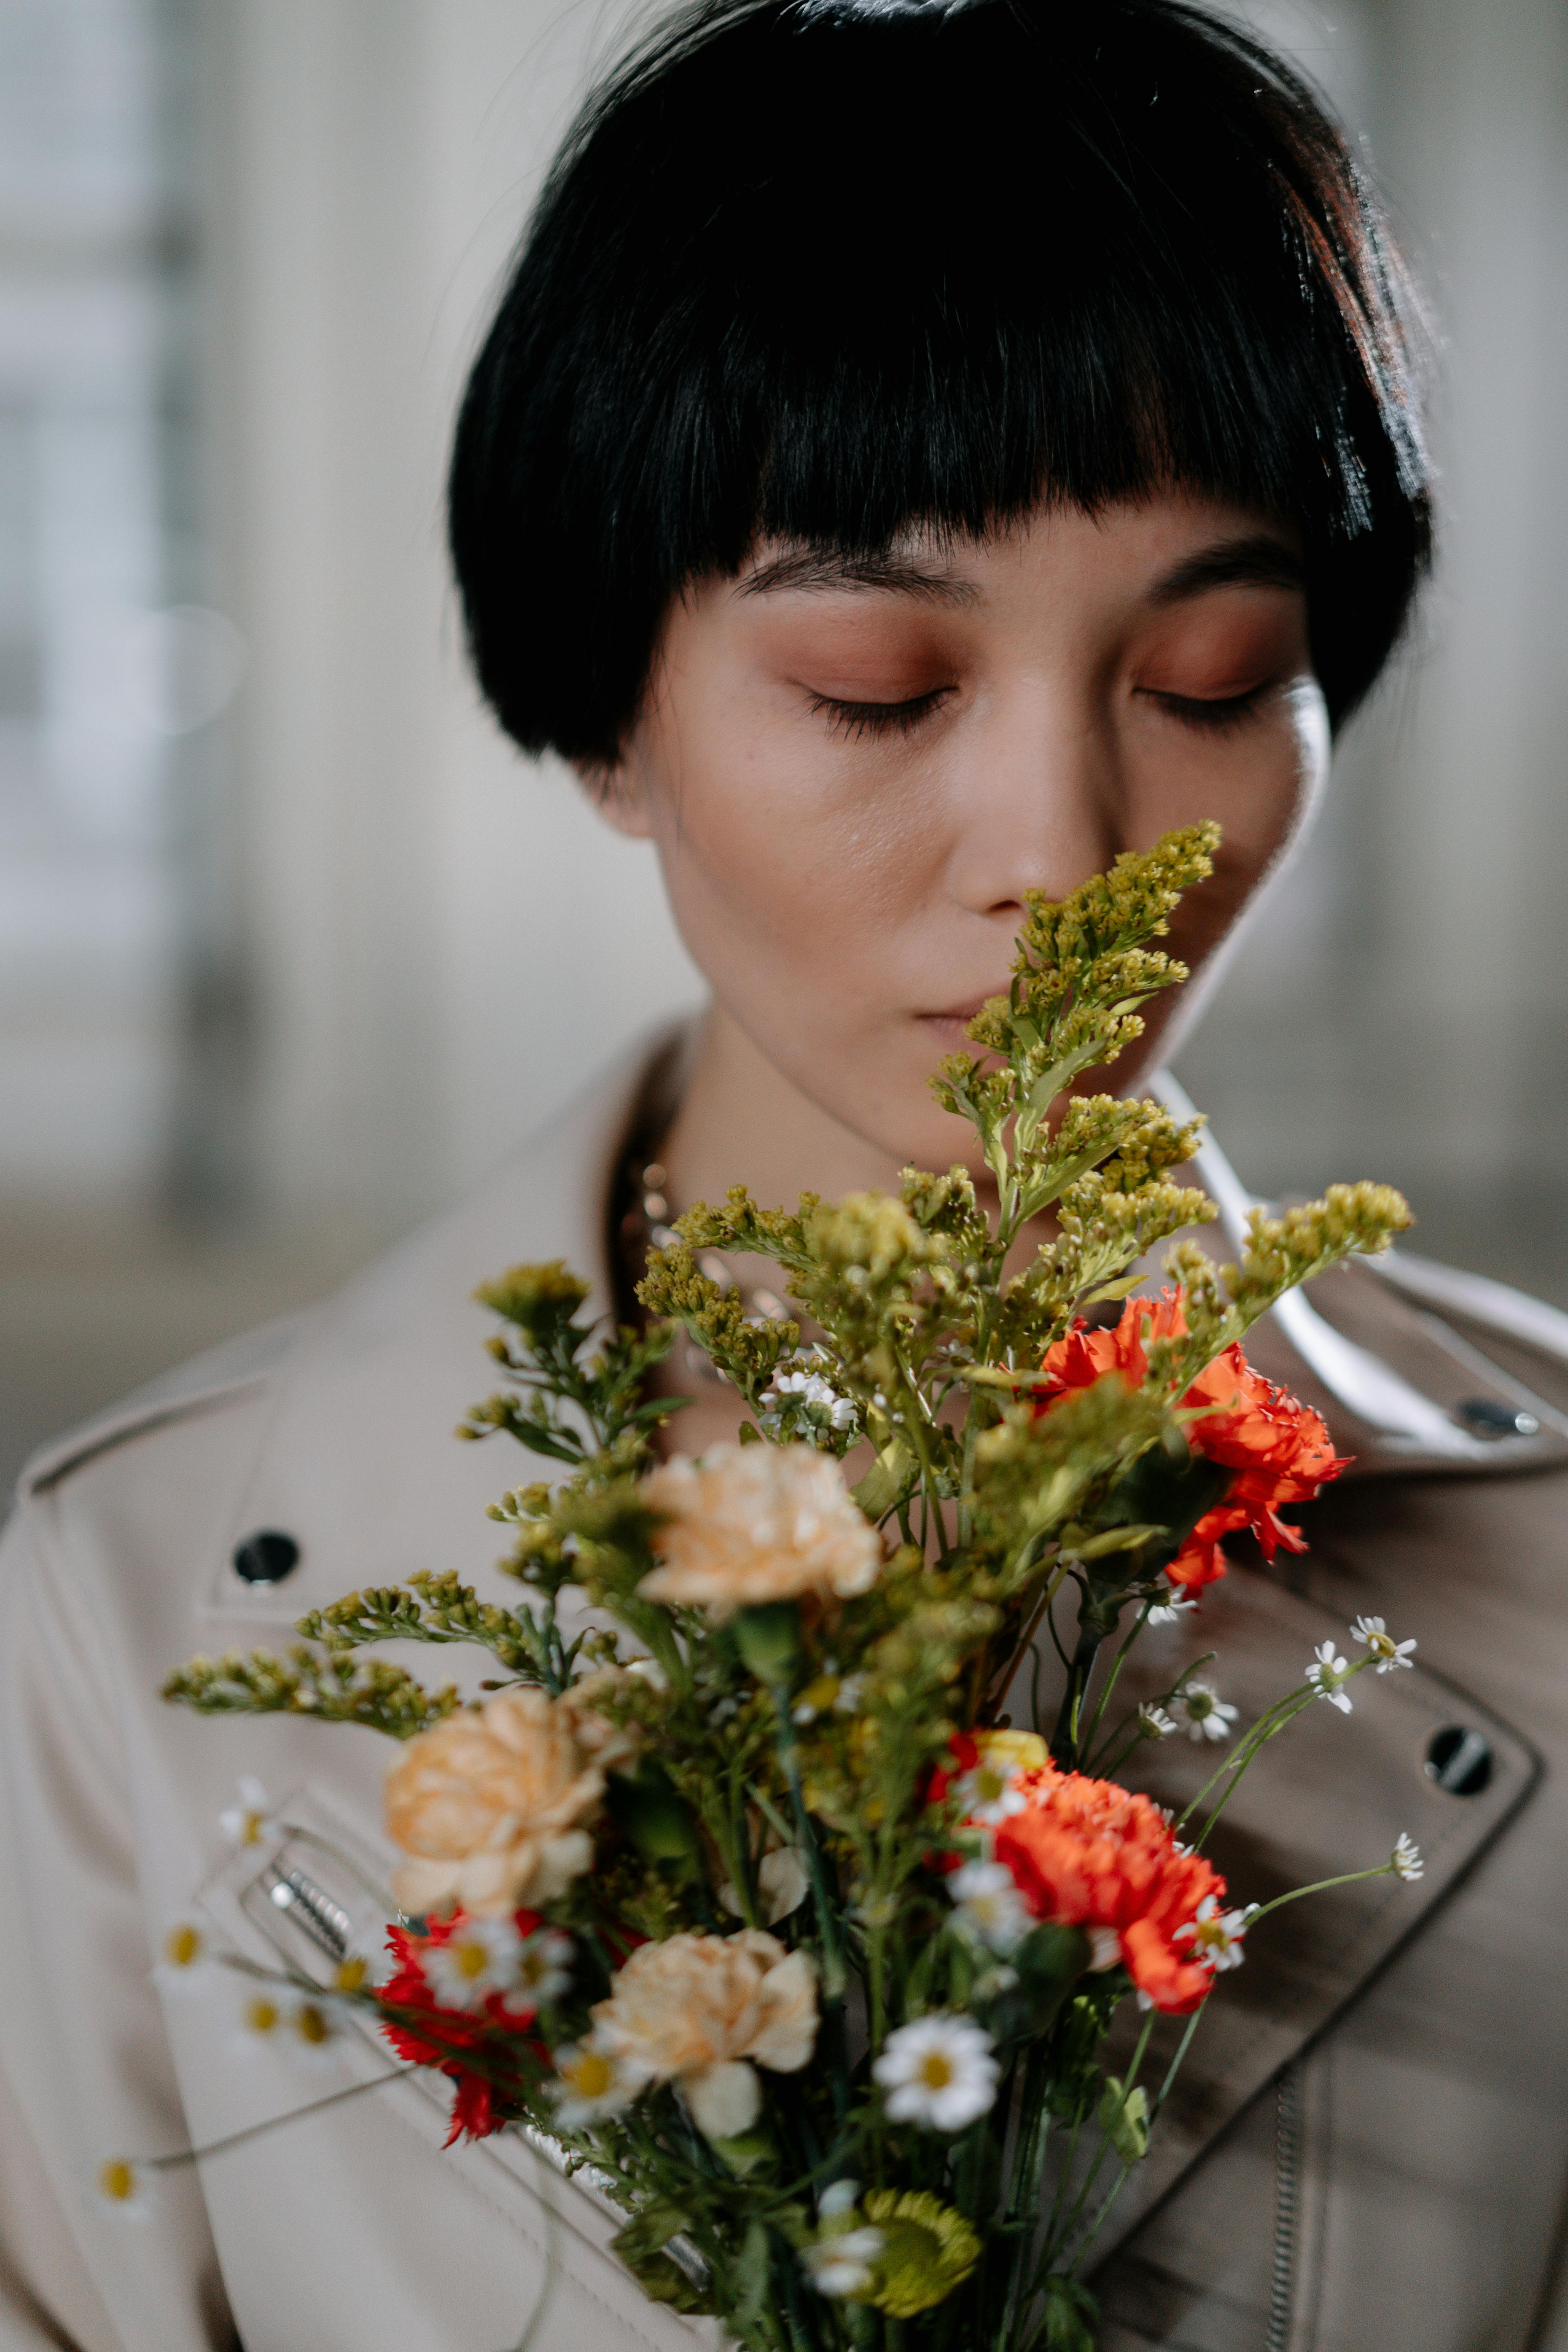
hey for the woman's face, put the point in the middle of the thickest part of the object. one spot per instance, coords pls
(853, 772)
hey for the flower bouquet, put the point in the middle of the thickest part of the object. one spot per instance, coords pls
(780, 1882)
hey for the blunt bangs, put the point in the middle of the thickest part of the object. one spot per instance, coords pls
(829, 274)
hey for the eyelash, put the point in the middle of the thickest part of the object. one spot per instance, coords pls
(874, 718)
(1211, 717)
(856, 718)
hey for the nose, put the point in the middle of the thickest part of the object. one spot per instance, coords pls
(1033, 804)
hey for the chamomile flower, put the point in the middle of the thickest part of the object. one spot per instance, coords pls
(940, 2071)
(482, 1956)
(1386, 1654)
(185, 1959)
(1155, 1724)
(843, 2265)
(1326, 1673)
(1215, 1936)
(359, 1972)
(590, 2083)
(988, 1903)
(809, 1393)
(840, 2197)
(1104, 1950)
(990, 1794)
(1171, 1607)
(300, 2024)
(1405, 1860)
(1203, 1714)
(250, 1820)
(126, 2188)
(544, 1966)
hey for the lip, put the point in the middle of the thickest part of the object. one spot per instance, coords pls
(963, 1014)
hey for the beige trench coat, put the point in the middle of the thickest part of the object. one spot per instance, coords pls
(1370, 2146)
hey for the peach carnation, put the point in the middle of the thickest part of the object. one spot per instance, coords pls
(695, 2008)
(1279, 1449)
(1092, 1854)
(489, 1805)
(750, 1524)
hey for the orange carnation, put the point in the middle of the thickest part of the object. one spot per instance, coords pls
(1090, 1854)
(1279, 1449)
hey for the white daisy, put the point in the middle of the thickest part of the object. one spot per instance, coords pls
(1155, 1724)
(484, 1956)
(1104, 1950)
(1207, 1715)
(1405, 1860)
(1326, 1673)
(838, 2197)
(250, 1820)
(185, 1959)
(988, 1902)
(990, 1794)
(806, 1388)
(1216, 1934)
(1170, 1608)
(939, 2070)
(590, 2083)
(279, 2017)
(361, 1972)
(1387, 1654)
(126, 2187)
(544, 1966)
(843, 2265)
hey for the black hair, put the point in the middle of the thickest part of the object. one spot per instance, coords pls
(824, 269)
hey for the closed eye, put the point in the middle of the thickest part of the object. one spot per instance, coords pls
(876, 717)
(1212, 718)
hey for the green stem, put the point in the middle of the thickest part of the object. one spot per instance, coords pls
(254, 2131)
(1319, 1886)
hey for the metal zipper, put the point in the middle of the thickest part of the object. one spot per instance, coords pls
(1287, 2209)
(329, 1927)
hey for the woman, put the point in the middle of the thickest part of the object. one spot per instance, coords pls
(919, 453)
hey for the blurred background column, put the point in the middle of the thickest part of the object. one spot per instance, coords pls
(292, 945)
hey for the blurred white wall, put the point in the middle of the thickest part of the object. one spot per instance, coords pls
(439, 938)
(1403, 1004)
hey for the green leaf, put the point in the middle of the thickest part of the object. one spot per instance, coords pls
(648, 1810)
(1070, 2314)
(768, 1638)
(1124, 2119)
(748, 2278)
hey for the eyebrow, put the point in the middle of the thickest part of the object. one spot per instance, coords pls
(1257, 561)
(898, 575)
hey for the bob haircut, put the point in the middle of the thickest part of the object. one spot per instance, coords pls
(826, 271)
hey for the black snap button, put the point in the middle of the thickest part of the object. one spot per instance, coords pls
(1489, 1418)
(1460, 1760)
(267, 1557)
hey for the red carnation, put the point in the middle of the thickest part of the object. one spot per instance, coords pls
(1090, 1854)
(1277, 1448)
(449, 2031)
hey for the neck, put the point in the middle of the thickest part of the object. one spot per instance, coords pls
(742, 1121)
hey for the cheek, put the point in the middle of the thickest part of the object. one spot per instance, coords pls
(1257, 780)
(777, 846)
